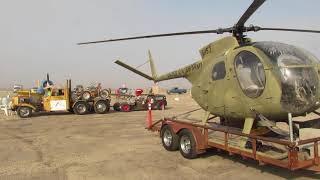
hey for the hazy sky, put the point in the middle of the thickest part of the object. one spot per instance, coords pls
(39, 36)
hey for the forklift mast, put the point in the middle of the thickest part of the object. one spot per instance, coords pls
(68, 94)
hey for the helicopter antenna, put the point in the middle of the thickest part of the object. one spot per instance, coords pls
(237, 30)
(142, 64)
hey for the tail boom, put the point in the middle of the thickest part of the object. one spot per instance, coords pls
(186, 72)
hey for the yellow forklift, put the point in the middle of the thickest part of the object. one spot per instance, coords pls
(55, 100)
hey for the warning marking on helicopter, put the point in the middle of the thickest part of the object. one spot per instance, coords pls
(205, 51)
(185, 71)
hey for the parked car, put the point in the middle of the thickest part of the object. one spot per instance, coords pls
(176, 90)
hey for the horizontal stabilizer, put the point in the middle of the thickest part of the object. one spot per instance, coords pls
(120, 63)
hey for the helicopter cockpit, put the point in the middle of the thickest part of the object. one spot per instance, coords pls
(298, 76)
(250, 74)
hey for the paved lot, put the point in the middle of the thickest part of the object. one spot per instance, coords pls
(113, 146)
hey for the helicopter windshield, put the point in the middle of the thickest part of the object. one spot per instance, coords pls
(299, 79)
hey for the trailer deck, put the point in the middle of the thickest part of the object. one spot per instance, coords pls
(265, 150)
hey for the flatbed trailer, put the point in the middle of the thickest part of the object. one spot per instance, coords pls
(193, 139)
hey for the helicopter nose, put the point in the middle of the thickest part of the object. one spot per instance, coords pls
(300, 91)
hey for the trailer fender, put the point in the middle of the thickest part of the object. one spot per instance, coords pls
(197, 134)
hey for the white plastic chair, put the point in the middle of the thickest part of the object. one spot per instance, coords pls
(5, 105)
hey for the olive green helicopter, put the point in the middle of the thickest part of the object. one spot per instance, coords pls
(259, 83)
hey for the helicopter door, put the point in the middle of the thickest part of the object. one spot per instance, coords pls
(201, 91)
(218, 86)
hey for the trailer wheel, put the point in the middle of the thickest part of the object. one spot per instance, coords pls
(116, 106)
(80, 108)
(24, 111)
(86, 95)
(187, 144)
(101, 107)
(125, 107)
(170, 140)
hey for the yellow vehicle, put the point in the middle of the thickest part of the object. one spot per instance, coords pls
(55, 100)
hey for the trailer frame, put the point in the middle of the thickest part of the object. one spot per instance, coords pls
(200, 134)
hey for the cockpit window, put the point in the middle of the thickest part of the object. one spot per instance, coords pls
(250, 74)
(285, 54)
(219, 71)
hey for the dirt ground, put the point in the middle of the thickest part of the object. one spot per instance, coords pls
(113, 146)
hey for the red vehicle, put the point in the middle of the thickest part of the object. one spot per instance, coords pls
(126, 101)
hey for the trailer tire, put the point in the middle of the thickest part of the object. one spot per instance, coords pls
(187, 144)
(116, 106)
(170, 140)
(24, 111)
(101, 106)
(81, 108)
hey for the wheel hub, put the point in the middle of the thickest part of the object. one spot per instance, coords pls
(185, 144)
(24, 112)
(82, 108)
(101, 107)
(125, 107)
(167, 138)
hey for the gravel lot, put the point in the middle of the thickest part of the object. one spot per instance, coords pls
(113, 146)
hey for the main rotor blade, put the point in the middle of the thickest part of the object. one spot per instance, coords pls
(292, 30)
(252, 8)
(162, 35)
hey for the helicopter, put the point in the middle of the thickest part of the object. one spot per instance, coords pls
(238, 79)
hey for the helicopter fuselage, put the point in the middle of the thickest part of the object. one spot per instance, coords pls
(272, 78)
(236, 81)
